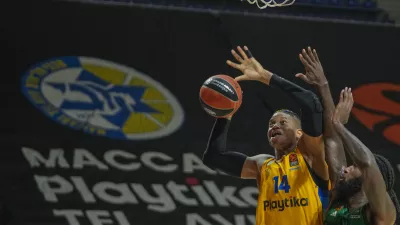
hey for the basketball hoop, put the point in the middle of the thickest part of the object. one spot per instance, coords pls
(262, 4)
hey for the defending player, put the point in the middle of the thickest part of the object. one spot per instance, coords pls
(350, 205)
(360, 195)
(293, 185)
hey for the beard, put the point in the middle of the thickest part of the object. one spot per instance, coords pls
(347, 189)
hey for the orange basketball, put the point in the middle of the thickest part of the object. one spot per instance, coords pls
(220, 96)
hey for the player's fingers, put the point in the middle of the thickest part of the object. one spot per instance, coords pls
(241, 78)
(345, 95)
(305, 62)
(351, 102)
(302, 77)
(311, 54)
(307, 57)
(316, 55)
(248, 52)
(244, 56)
(349, 98)
(341, 96)
(237, 57)
(234, 65)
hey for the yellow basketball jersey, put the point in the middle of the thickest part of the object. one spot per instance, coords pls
(288, 193)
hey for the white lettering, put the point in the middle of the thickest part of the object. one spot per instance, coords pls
(224, 196)
(239, 219)
(124, 193)
(177, 192)
(250, 195)
(202, 195)
(49, 193)
(97, 217)
(83, 190)
(162, 203)
(110, 156)
(147, 159)
(192, 162)
(83, 157)
(252, 219)
(121, 218)
(56, 157)
(195, 219)
(69, 214)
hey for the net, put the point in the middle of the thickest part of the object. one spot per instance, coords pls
(262, 4)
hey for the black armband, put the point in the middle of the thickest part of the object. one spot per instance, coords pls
(216, 157)
(311, 107)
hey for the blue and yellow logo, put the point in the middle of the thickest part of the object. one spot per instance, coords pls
(102, 98)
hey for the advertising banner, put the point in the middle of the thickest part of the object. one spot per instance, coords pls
(102, 123)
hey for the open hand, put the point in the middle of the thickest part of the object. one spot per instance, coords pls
(249, 66)
(343, 108)
(314, 72)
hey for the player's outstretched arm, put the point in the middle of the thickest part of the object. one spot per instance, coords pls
(312, 111)
(235, 164)
(373, 183)
(315, 76)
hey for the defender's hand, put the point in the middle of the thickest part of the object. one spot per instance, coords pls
(314, 72)
(249, 66)
(343, 108)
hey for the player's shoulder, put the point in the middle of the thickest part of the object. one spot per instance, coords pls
(261, 158)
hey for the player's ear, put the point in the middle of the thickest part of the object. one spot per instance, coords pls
(299, 133)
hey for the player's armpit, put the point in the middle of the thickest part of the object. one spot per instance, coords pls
(252, 166)
(314, 147)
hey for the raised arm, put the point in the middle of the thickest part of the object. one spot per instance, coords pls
(312, 111)
(315, 76)
(235, 164)
(373, 183)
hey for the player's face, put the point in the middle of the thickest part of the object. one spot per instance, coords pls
(350, 182)
(349, 173)
(283, 131)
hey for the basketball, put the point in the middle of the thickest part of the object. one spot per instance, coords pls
(220, 96)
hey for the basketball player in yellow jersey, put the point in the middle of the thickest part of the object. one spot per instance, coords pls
(293, 185)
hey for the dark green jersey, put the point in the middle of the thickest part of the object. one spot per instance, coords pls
(343, 216)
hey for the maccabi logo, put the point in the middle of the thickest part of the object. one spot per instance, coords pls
(102, 98)
(377, 106)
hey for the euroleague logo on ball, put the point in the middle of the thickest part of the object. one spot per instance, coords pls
(220, 96)
(102, 98)
(377, 107)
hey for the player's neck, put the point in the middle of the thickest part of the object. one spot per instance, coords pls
(357, 201)
(282, 152)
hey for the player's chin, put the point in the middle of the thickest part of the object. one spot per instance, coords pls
(276, 142)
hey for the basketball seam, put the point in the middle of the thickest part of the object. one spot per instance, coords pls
(234, 101)
(226, 83)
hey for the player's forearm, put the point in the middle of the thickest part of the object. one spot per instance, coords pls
(334, 159)
(329, 108)
(359, 153)
(312, 111)
(334, 150)
(216, 157)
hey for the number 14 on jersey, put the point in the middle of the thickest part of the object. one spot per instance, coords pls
(283, 186)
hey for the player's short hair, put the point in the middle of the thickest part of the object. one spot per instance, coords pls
(388, 175)
(290, 113)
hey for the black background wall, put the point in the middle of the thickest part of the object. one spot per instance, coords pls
(180, 50)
